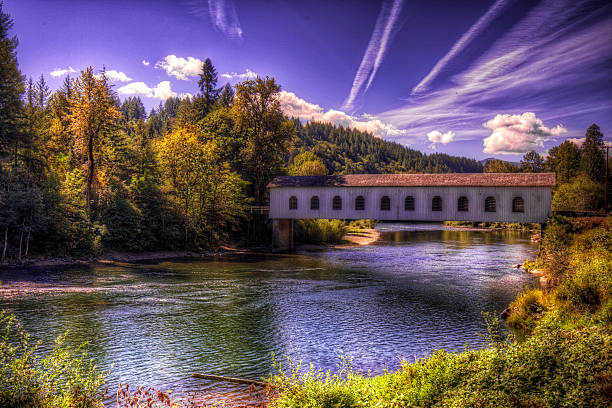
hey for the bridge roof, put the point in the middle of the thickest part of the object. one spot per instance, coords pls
(419, 180)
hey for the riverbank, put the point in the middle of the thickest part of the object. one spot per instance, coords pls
(126, 258)
(563, 357)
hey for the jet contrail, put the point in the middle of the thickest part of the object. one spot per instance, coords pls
(465, 39)
(224, 17)
(374, 54)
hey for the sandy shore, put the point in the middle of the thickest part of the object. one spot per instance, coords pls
(359, 238)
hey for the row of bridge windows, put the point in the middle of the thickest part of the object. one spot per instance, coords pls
(518, 204)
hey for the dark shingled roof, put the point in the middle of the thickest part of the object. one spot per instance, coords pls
(419, 180)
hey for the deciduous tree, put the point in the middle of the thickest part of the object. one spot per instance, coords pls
(268, 135)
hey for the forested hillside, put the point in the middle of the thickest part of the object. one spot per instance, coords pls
(349, 151)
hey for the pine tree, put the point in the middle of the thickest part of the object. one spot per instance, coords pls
(11, 87)
(592, 161)
(226, 99)
(532, 162)
(208, 91)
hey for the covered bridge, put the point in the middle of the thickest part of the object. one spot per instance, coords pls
(483, 197)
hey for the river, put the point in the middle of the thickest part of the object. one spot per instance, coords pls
(418, 289)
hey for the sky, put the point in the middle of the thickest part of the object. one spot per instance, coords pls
(473, 78)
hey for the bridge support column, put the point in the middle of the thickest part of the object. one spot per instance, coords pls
(282, 234)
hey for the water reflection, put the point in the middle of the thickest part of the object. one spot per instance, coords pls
(418, 289)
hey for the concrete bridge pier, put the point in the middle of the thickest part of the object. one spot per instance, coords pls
(282, 234)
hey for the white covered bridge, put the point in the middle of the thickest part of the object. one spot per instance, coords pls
(482, 197)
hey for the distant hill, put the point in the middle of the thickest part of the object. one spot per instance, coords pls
(349, 151)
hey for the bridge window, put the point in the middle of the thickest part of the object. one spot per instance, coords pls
(409, 203)
(490, 205)
(337, 203)
(293, 203)
(314, 203)
(436, 204)
(518, 204)
(385, 203)
(462, 204)
(360, 203)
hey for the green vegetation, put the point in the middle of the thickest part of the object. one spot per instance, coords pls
(320, 231)
(561, 355)
(63, 378)
(524, 226)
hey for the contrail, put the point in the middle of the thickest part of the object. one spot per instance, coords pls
(374, 54)
(222, 14)
(224, 17)
(465, 39)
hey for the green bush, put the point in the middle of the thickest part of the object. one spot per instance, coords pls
(64, 378)
(590, 285)
(320, 231)
(362, 224)
(526, 310)
(581, 194)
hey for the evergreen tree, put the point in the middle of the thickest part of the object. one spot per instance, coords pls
(226, 99)
(11, 87)
(592, 160)
(208, 91)
(532, 162)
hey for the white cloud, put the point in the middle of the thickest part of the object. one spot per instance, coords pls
(115, 76)
(435, 136)
(61, 72)
(513, 134)
(145, 63)
(179, 67)
(248, 74)
(375, 52)
(162, 91)
(294, 106)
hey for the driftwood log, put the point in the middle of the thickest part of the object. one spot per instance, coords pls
(230, 379)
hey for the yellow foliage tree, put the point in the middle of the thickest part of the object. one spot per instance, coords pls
(93, 116)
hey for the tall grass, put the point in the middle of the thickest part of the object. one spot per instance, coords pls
(320, 231)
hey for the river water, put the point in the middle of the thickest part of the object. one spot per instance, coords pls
(418, 289)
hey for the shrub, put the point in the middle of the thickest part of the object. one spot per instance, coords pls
(556, 241)
(582, 194)
(362, 224)
(590, 285)
(526, 310)
(320, 231)
(64, 378)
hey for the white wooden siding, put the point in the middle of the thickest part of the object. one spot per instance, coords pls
(537, 203)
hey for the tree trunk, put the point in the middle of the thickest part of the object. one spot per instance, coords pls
(28, 242)
(90, 176)
(5, 243)
(21, 239)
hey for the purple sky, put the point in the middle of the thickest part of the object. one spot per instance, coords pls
(482, 79)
